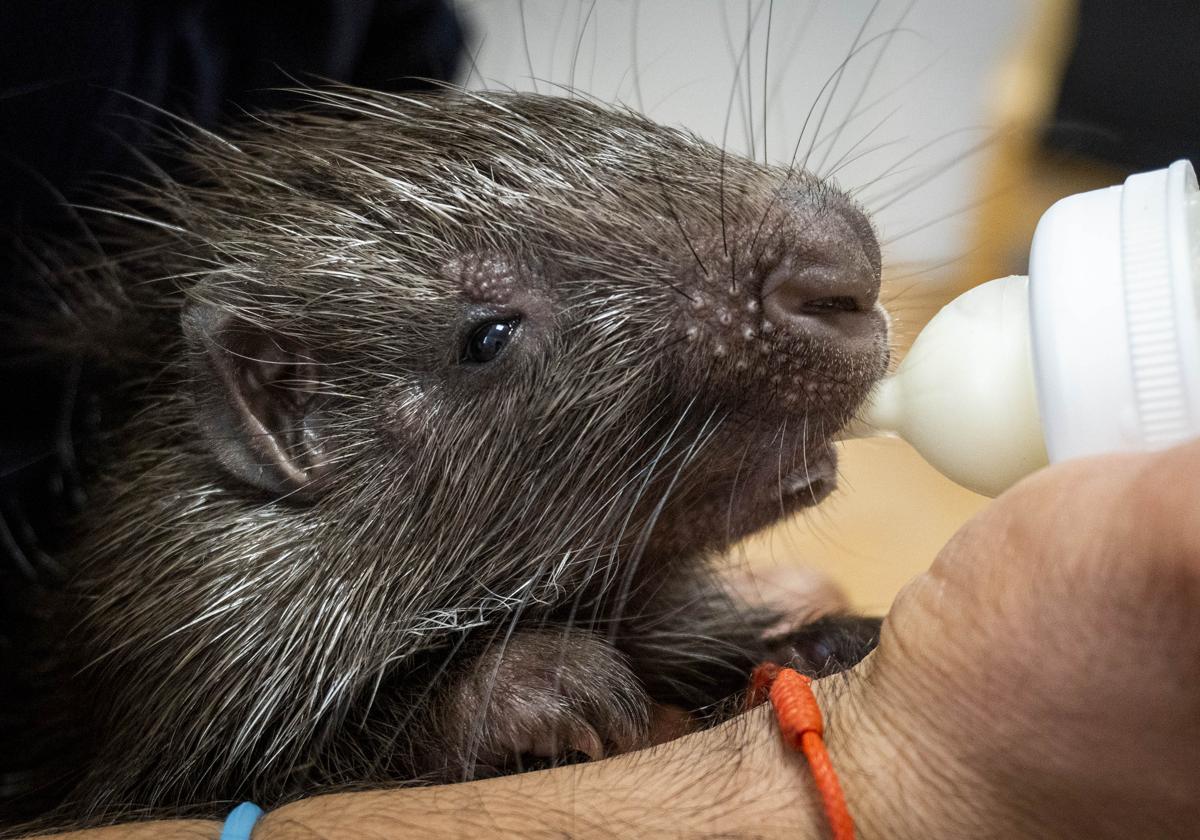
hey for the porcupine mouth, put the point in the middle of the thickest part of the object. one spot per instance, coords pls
(813, 481)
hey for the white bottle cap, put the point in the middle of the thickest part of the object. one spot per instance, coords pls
(1114, 317)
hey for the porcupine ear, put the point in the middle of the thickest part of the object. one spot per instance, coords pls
(255, 399)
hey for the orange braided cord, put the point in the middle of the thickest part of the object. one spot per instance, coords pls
(825, 777)
(802, 727)
(760, 684)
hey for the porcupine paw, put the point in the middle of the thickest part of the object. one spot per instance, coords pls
(826, 646)
(806, 620)
(542, 699)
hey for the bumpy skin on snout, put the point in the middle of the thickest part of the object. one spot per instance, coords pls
(430, 412)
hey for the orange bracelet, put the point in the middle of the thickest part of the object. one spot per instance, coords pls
(802, 728)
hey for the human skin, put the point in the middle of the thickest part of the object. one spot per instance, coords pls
(1042, 679)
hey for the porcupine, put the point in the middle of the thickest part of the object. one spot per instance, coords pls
(429, 413)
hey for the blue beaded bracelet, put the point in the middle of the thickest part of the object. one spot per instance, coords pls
(240, 822)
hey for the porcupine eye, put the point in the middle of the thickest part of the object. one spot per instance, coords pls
(488, 340)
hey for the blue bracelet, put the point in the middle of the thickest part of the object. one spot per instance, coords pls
(240, 822)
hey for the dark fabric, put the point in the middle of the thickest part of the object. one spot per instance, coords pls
(67, 68)
(1131, 92)
(82, 82)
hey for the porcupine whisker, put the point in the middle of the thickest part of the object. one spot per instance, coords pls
(637, 553)
(579, 44)
(839, 74)
(605, 555)
(733, 489)
(907, 188)
(850, 156)
(739, 60)
(734, 92)
(525, 45)
(825, 94)
(662, 185)
(890, 34)
(766, 73)
(644, 480)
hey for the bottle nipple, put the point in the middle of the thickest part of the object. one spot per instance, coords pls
(964, 397)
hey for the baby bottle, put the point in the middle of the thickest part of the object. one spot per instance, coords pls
(1097, 350)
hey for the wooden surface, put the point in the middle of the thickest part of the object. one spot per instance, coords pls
(883, 525)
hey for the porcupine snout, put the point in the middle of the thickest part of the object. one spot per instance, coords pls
(826, 282)
(783, 305)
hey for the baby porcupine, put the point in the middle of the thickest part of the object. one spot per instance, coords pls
(429, 413)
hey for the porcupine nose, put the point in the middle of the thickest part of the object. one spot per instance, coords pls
(828, 284)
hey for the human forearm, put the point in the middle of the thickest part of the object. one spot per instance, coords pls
(732, 781)
(736, 780)
(156, 830)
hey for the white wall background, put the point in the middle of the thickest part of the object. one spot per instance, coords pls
(911, 103)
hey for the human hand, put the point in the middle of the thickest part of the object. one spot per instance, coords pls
(1042, 679)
